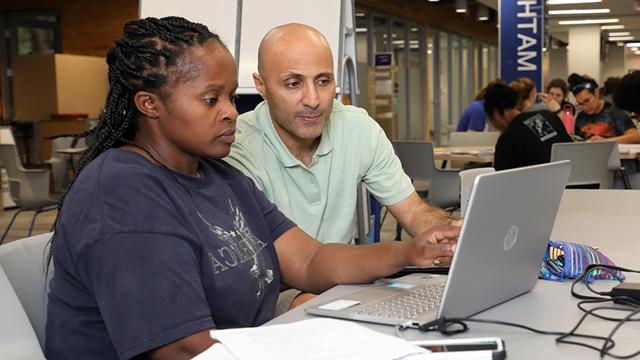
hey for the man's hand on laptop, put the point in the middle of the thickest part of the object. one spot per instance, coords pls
(434, 246)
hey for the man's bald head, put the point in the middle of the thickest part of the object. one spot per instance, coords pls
(296, 79)
(288, 37)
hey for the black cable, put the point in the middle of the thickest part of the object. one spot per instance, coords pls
(451, 326)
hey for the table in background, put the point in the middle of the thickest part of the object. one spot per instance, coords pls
(606, 218)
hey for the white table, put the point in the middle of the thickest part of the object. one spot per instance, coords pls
(607, 218)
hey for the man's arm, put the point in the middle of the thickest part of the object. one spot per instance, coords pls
(311, 266)
(416, 216)
(630, 136)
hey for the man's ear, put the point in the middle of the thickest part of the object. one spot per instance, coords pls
(258, 81)
(147, 103)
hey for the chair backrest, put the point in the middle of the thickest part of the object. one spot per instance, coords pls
(19, 340)
(466, 184)
(473, 138)
(614, 159)
(23, 261)
(29, 188)
(417, 158)
(418, 163)
(6, 136)
(589, 162)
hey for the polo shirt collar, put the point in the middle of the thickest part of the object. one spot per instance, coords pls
(282, 152)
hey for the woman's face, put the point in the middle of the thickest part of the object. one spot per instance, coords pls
(198, 114)
(556, 94)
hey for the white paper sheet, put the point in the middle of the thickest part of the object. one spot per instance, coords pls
(313, 339)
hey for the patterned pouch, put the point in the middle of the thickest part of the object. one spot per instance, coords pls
(565, 260)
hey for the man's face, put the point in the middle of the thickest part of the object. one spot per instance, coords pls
(587, 101)
(298, 83)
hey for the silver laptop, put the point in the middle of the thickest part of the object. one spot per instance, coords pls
(501, 245)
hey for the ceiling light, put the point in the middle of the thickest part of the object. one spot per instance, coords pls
(483, 13)
(587, 21)
(619, 33)
(461, 6)
(620, 38)
(434, 0)
(633, 44)
(579, 11)
(612, 27)
(567, 2)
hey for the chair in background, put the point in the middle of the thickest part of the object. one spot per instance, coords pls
(473, 138)
(466, 184)
(418, 163)
(615, 165)
(29, 188)
(589, 163)
(61, 164)
(23, 262)
(443, 189)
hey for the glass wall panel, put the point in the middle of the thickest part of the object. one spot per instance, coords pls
(416, 85)
(444, 79)
(362, 57)
(431, 81)
(455, 84)
(380, 35)
(400, 100)
(485, 64)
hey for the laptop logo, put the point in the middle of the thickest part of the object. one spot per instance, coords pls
(510, 238)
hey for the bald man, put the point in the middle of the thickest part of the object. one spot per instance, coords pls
(308, 152)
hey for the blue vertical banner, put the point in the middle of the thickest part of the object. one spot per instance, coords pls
(521, 40)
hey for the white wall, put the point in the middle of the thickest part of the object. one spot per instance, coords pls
(631, 61)
(558, 67)
(584, 50)
(614, 64)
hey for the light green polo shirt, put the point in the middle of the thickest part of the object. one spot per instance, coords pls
(321, 198)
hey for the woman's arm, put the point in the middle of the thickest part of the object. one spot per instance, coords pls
(308, 265)
(185, 348)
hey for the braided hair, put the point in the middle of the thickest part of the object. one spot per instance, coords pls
(147, 58)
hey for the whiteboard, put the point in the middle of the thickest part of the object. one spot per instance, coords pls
(260, 16)
(220, 16)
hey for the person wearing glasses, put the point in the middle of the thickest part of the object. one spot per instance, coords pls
(599, 120)
(526, 136)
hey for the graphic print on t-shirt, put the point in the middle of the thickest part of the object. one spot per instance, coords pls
(241, 246)
(601, 128)
(540, 127)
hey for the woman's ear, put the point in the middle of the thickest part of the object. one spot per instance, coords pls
(147, 103)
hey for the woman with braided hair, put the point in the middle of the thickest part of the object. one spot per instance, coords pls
(157, 240)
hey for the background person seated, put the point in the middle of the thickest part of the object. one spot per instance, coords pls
(526, 137)
(473, 118)
(599, 120)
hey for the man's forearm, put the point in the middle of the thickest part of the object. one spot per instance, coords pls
(424, 217)
(416, 216)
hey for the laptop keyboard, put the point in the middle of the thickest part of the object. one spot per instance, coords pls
(407, 306)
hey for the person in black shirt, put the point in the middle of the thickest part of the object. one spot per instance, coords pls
(526, 137)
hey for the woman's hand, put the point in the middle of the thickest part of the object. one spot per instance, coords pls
(552, 104)
(433, 247)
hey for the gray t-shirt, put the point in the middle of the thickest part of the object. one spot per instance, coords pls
(144, 256)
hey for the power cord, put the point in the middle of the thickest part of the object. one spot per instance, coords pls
(452, 326)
